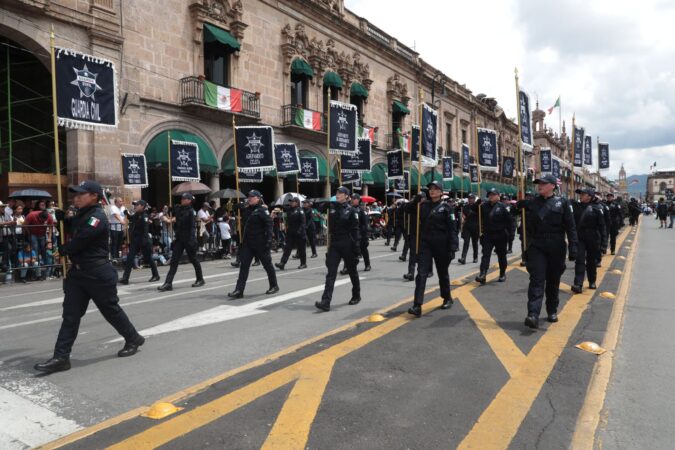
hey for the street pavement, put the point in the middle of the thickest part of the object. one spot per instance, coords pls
(271, 371)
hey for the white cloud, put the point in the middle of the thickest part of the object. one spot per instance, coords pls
(611, 61)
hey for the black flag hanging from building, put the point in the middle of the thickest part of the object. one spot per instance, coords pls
(603, 155)
(487, 149)
(359, 161)
(395, 164)
(184, 161)
(350, 177)
(555, 167)
(508, 164)
(545, 158)
(578, 146)
(415, 145)
(255, 148)
(448, 170)
(309, 170)
(429, 136)
(343, 128)
(134, 170)
(473, 170)
(250, 177)
(588, 150)
(401, 184)
(525, 120)
(86, 90)
(466, 158)
(286, 158)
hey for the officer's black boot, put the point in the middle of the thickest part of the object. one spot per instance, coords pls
(322, 305)
(236, 294)
(415, 310)
(355, 300)
(53, 365)
(552, 318)
(199, 283)
(447, 303)
(272, 290)
(302, 266)
(279, 266)
(577, 289)
(124, 281)
(165, 287)
(367, 268)
(481, 277)
(591, 285)
(408, 277)
(532, 322)
(502, 277)
(462, 260)
(154, 278)
(131, 348)
(344, 271)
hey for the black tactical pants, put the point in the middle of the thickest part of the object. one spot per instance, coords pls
(545, 264)
(436, 251)
(144, 246)
(613, 233)
(588, 253)
(311, 238)
(499, 245)
(340, 249)
(262, 254)
(100, 285)
(295, 242)
(470, 234)
(191, 249)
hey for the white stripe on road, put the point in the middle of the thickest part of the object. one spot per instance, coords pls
(26, 424)
(224, 313)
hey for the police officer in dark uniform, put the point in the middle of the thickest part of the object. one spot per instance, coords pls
(590, 223)
(399, 227)
(296, 234)
(496, 221)
(522, 230)
(506, 200)
(410, 210)
(310, 228)
(615, 220)
(185, 239)
(256, 242)
(390, 215)
(633, 211)
(91, 277)
(363, 233)
(549, 219)
(438, 243)
(344, 243)
(605, 212)
(140, 241)
(470, 228)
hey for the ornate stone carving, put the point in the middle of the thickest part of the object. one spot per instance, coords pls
(397, 89)
(226, 14)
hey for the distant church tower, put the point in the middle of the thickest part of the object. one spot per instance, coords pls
(623, 184)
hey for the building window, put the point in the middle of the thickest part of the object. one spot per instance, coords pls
(464, 137)
(299, 88)
(448, 136)
(217, 63)
(662, 187)
(357, 101)
(329, 93)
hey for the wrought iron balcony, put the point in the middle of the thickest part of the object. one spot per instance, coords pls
(192, 95)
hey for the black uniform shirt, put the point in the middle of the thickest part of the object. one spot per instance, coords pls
(496, 220)
(363, 222)
(548, 218)
(296, 222)
(309, 217)
(470, 215)
(590, 222)
(90, 231)
(615, 215)
(184, 227)
(257, 226)
(140, 225)
(437, 224)
(343, 222)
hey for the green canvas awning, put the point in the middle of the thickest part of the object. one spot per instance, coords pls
(358, 90)
(301, 67)
(332, 79)
(379, 174)
(400, 107)
(322, 165)
(367, 178)
(215, 34)
(156, 153)
(461, 184)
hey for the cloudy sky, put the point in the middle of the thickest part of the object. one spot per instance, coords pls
(611, 61)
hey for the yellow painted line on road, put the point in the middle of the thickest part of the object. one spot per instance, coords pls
(499, 422)
(589, 416)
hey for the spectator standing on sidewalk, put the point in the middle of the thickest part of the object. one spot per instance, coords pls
(117, 222)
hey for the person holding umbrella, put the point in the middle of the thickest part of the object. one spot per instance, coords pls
(296, 236)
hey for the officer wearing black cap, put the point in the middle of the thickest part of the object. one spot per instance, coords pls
(310, 228)
(591, 232)
(615, 220)
(185, 239)
(438, 243)
(470, 228)
(363, 233)
(344, 243)
(140, 241)
(256, 242)
(296, 234)
(91, 277)
(496, 221)
(549, 219)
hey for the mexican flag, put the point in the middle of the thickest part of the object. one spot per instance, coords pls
(223, 98)
(366, 132)
(557, 105)
(308, 119)
(404, 141)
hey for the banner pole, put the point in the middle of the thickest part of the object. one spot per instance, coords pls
(236, 180)
(9, 111)
(574, 155)
(419, 169)
(57, 153)
(168, 165)
(327, 177)
(521, 175)
(480, 212)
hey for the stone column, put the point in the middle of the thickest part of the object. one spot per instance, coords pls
(214, 184)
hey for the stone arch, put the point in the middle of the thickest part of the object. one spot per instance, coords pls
(27, 36)
(153, 130)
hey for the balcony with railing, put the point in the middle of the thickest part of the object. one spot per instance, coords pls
(192, 97)
(305, 123)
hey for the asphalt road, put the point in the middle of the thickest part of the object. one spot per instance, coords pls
(270, 371)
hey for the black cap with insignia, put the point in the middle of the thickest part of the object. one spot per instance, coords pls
(546, 179)
(87, 186)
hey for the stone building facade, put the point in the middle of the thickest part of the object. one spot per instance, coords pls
(660, 185)
(164, 51)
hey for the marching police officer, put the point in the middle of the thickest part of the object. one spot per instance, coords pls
(470, 228)
(513, 212)
(495, 234)
(399, 227)
(615, 220)
(605, 212)
(363, 233)
(590, 223)
(91, 277)
(256, 242)
(185, 239)
(633, 211)
(344, 243)
(438, 243)
(522, 230)
(310, 228)
(390, 219)
(549, 219)
(296, 234)
(140, 241)
(410, 210)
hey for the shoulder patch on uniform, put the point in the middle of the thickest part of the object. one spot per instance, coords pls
(93, 222)
(558, 204)
(267, 212)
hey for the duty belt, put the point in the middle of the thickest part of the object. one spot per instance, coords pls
(92, 264)
(560, 235)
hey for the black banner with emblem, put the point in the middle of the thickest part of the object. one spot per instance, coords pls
(401, 184)
(134, 170)
(286, 159)
(525, 121)
(448, 169)
(429, 136)
(86, 90)
(250, 177)
(603, 155)
(588, 150)
(255, 148)
(184, 161)
(343, 128)
(350, 177)
(395, 164)
(487, 149)
(473, 171)
(578, 147)
(508, 164)
(309, 170)
(545, 158)
(555, 167)
(466, 158)
(415, 145)
(360, 160)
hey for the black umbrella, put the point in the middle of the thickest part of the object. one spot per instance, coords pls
(30, 193)
(394, 194)
(227, 193)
